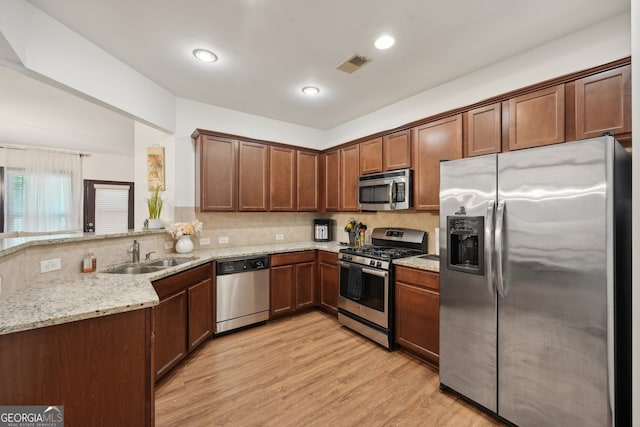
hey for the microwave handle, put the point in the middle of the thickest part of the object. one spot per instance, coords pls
(393, 190)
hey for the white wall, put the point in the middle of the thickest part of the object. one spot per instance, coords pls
(54, 52)
(108, 167)
(146, 136)
(192, 114)
(595, 45)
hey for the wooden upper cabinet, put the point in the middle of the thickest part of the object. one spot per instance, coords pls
(216, 173)
(603, 103)
(308, 180)
(371, 156)
(332, 181)
(537, 118)
(433, 142)
(396, 149)
(349, 172)
(253, 176)
(282, 179)
(483, 130)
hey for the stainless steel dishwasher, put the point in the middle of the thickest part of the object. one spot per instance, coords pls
(242, 292)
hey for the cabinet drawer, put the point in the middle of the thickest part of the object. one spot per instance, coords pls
(328, 257)
(419, 278)
(292, 258)
(172, 284)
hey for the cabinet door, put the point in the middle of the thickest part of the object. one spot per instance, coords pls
(371, 156)
(537, 118)
(282, 179)
(603, 103)
(170, 317)
(253, 176)
(433, 142)
(349, 172)
(397, 150)
(308, 181)
(483, 130)
(329, 285)
(200, 313)
(216, 169)
(332, 181)
(304, 280)
(417, 320)
(282, 288)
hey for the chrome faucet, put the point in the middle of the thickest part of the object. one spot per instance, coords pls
(148, 256)
(134, 250)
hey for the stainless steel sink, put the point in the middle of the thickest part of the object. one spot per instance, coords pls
(170, 262)
(147, 267)
(133, 269)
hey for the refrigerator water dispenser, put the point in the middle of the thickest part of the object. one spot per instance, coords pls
(465, 246)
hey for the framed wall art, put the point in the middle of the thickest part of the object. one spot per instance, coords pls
(155, 168)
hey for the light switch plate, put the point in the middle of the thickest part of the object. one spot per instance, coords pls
(279, 236)
(48, 265)
(223, 240)
(168, 245)
(205, 241)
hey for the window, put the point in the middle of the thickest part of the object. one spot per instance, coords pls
(108, 206)
(41, 190)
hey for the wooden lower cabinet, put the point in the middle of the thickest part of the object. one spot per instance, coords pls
(184, 318)
(328, 281)
(292, 283)
(417, 316)
(99, 369)
(171, 332)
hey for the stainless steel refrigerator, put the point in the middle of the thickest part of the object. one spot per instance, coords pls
(535, 272)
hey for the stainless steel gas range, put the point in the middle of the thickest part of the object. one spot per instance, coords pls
(366, 293)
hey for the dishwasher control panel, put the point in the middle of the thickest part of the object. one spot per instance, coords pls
(240, 265)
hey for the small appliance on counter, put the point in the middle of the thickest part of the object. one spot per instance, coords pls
(322, 230)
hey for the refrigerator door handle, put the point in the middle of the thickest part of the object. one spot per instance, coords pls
(488, 247)
(499, 236)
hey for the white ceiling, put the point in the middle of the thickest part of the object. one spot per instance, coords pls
(269, 49)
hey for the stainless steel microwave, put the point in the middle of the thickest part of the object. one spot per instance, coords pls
(385, 191)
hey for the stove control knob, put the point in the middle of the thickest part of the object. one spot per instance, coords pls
(372, 263)
(379, 264)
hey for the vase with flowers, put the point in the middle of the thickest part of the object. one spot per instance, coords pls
(182, 231)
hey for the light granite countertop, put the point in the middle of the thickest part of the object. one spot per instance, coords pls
(83, 296)
(419, 263)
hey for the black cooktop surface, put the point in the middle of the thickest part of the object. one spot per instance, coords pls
(381, 252)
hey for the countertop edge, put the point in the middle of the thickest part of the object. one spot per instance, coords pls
(31, 307)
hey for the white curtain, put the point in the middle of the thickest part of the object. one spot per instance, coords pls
(52, 189)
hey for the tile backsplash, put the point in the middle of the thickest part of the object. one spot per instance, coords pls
(258, 228)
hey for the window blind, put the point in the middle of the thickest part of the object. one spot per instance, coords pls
(112, 208)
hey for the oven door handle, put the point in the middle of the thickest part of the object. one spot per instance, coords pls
(384, 274)
(379, 273)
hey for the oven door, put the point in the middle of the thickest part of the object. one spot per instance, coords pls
(373, 304)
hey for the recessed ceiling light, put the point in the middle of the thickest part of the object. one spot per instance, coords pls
(384, 42)
(205, 55)
(310, 90)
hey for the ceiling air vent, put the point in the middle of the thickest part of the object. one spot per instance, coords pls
(353, 64)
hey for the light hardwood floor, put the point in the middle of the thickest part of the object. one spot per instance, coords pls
(306, 370)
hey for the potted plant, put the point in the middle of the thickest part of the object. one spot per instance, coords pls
(154, 203)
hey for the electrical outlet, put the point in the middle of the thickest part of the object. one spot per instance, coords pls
(168, 245)
(223, 240)
(0, 285)
(279, 236)
(205, 241)
(48, 265)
